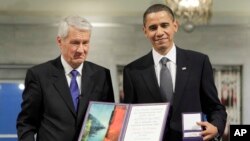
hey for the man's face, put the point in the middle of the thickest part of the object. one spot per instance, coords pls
(75, 47)
(160, 28)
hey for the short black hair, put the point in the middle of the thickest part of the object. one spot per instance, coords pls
(157, 8)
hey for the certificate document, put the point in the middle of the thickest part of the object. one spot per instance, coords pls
(124, 122)
(146, 122)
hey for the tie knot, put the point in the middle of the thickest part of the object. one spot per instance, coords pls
(164, 61)
(74, 73)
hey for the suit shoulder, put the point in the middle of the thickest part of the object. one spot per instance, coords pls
(141, 62)
(193, 54)
(43, 66)
(94, 66)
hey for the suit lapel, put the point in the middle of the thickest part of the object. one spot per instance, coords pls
(86, 89)
(149, 77)
(61, 85)
(182, 74)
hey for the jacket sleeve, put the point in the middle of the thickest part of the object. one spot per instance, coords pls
(129, 96)
(211, 105)
(28, 119)
(108, 89)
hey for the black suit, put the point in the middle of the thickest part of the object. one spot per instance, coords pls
(47, 107)
(195, 90)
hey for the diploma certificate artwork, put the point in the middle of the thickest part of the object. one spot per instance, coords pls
(146, 122)
(124, 122)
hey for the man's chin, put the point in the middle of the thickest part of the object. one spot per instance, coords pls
(162, 47)
(79, 61)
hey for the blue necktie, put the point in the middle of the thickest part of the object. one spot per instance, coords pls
(166, 85)
(74, 88)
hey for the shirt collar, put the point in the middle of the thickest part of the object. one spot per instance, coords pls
(68, 68)
(171, 55)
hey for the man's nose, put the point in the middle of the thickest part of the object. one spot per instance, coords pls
(80, 48)
(159, 31)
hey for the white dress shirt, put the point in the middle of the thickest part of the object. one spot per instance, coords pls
(171, 64)
(68, 69)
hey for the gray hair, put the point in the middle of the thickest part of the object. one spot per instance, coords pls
(73, 21)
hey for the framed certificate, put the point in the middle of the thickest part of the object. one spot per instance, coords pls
(124, 122)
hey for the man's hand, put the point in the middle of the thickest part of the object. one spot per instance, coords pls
(209, 132)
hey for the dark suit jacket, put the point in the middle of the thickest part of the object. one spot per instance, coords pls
(47, 107)
(195, 90)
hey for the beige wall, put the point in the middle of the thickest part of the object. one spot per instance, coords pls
(119, 45)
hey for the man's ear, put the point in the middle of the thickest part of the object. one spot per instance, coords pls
(176, 25)
(59, 41)
(145, 31)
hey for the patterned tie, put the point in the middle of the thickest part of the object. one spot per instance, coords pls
(166, 85)
(74, 88)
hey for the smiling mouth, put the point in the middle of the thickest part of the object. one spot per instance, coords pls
(160, 39)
